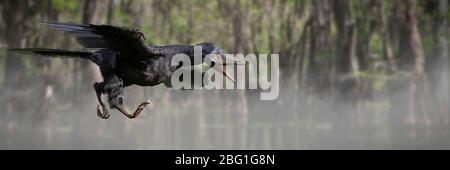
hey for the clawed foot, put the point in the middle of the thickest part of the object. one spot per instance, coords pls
(140, 109)
(143, 105)
(102, 112)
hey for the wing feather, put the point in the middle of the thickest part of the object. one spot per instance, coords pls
(96, 37)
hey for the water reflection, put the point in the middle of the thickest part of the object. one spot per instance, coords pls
(184, 124)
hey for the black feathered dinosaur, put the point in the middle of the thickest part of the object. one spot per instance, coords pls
(124, 59)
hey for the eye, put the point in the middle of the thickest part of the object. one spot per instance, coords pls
(213, 63)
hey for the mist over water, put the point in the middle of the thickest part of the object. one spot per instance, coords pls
(199, 120)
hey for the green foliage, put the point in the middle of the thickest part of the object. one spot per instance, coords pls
(65, 5)
(377, 79)
(376, 45)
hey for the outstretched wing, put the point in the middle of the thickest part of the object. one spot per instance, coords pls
(57, 53)
(96, 37)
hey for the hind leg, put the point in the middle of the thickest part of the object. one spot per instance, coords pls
(102, 111)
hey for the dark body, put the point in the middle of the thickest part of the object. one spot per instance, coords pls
(150, 70)
(124, 59)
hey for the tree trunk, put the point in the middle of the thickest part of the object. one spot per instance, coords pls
(90, 9)
(442, 64)
(367, 23)
(88, 71)
(15, 14)
(347, 68)
(443, 32)
(14, 17)
(240, 105)
(347, 62)
(110, 13)
(411, 60)
(388, 55)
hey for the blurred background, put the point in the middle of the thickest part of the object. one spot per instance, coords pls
(355, 74)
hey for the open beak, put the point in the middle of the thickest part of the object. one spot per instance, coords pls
(220, 62)
(220, 69)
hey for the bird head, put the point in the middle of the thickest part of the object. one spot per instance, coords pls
(216, 58)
